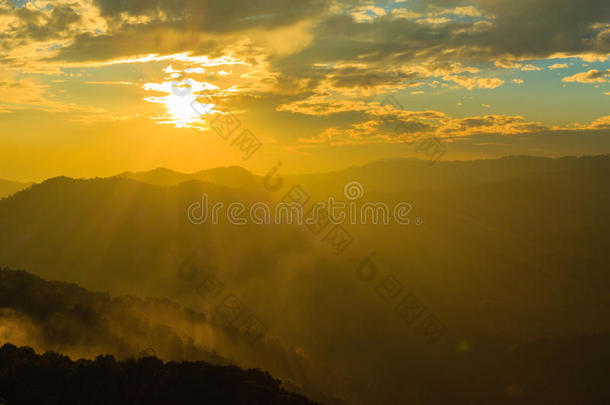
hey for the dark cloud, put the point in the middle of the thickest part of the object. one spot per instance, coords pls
(532, 28)
(138, 39)
(344, 53)
(484, 121)
(39, 25)
(227, 15)
(380, 48)
(352, 77)
(506, 30)
(538, 28)
(203, 27)
(518, 29)
(542, 27)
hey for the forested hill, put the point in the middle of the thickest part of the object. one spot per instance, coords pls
(28, 378)
(68, 319)
(10, 187)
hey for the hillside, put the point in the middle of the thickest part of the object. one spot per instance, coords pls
(11, 187)
(68, 319)
(59, 317)
(51, 378)
(510, 249)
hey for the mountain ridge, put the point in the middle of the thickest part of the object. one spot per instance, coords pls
(229, 176)
(28, 377)
(8, 187)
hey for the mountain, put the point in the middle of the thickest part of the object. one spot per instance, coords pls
(10, 187)
(511, 249)
(412, 174)
(391, 175)
(121, 235)
(68, 319)
(232, 176)
(28, 378)
(60, 315)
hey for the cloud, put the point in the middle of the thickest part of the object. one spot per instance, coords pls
(473, 82)
(384, 122)
(367, 13)
(29, 23)
(104, 30)
(507, 64)
(529, 68)
(467, 11)
(423, 125)
(340, 30)
(418, 125)
(307, 56)
(215, 16)
(321, 106)
(489, 124)
(543, 27)
(559, 66)
(405, 13)
(361, 80)
(600, 123)
(592, 76)
(294, 35)
(136, 40)
(369, 132)
(500, 31)
(434, 20)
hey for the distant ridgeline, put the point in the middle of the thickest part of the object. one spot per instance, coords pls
(28, 378)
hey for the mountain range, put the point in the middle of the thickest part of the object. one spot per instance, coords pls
(503, 253)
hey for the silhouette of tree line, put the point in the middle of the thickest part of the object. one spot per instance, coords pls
(51, 378)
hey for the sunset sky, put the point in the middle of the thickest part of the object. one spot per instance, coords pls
(86, 86)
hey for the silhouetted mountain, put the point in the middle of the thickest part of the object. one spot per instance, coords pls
(512, 248)
(411, 174)
(11, 187)
(120, 235)
(232, 176)
(28, 378)
(68, 319)
(482, 370)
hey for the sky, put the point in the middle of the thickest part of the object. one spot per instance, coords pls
(97, 87)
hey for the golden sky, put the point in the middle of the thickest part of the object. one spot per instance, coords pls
(97, 87)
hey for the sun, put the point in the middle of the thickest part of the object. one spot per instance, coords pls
(182, 108)
(182, 102)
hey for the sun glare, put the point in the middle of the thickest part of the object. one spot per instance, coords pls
(181, 107)
(182, 102)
